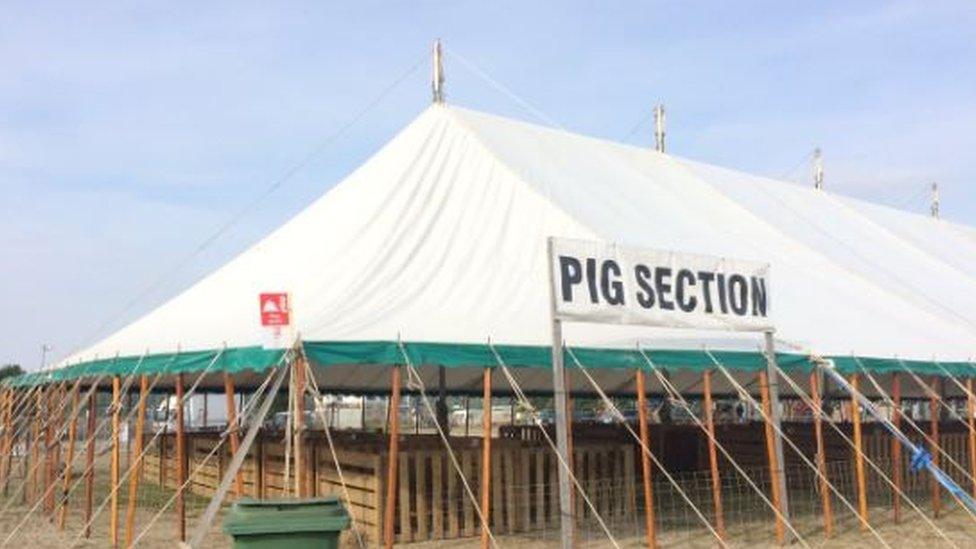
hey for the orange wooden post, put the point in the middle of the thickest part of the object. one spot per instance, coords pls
(828, 515)
(393, 457)
(36, 448)
(69, 459)
(896, 467)
(971, 412)
(486, 458)
(934, 445)
(771, 453)
(116, 454)
(862, 492)
(713, 454)
(645, 436)
(90, 460)
(8, 401)
(130, 511)
(232, 426)
(180, 461)
(50, 419)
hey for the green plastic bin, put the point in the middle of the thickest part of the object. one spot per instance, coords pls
(286, 523)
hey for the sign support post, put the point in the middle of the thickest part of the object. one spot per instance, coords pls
(601, 282)
(776, 416)
(566, 519)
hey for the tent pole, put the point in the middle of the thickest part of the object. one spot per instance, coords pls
(971, 409)
(164, 451)
(70, 458)
(56, 411)
(828, 515)
(443, 414)
(713, 454)
(771, 454)
(180, 461)
(13, 432)
(774, 439)
(232, 427)
(299, 425)
(896, 468)
(90, 460)
(393, 456)
(49, 448)
(645, 437)
(486, 458)
(130, 511)
(862, 492)
(128, 430)
(934, 444)
(36, 451)
(8, 396)
(116, 455)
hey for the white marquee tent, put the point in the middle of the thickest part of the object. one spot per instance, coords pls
(439, 241)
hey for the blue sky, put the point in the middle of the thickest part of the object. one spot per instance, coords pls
(129, 134)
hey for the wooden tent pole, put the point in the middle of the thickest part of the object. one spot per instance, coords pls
(128, 431)
(299, 426)
(934, 445)
(645, 437)
(164, 442)
(828, 515)
(713, 454)
(971, 412)
(70, 458)
(130, 510)
(8, 400)
(116, 455)
(771, 453)
(896, 467)
(13, 406)
(90, 460)
(61, 405)
(36, 450)
(486, 458)
(52, 445)
(862, 492)
(48, 493)
(393, 456)
(38, 444)
(232, 426)
(180, 461)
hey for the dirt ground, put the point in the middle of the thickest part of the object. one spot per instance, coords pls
(21, 526)
(39, 532)
(958, 526)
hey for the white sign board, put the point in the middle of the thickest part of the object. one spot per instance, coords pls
(603, 282)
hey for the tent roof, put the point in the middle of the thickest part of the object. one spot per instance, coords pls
(440, 238)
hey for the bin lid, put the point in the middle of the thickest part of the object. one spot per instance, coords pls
(275, 516)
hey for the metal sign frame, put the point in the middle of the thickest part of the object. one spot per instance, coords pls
(567, 519)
